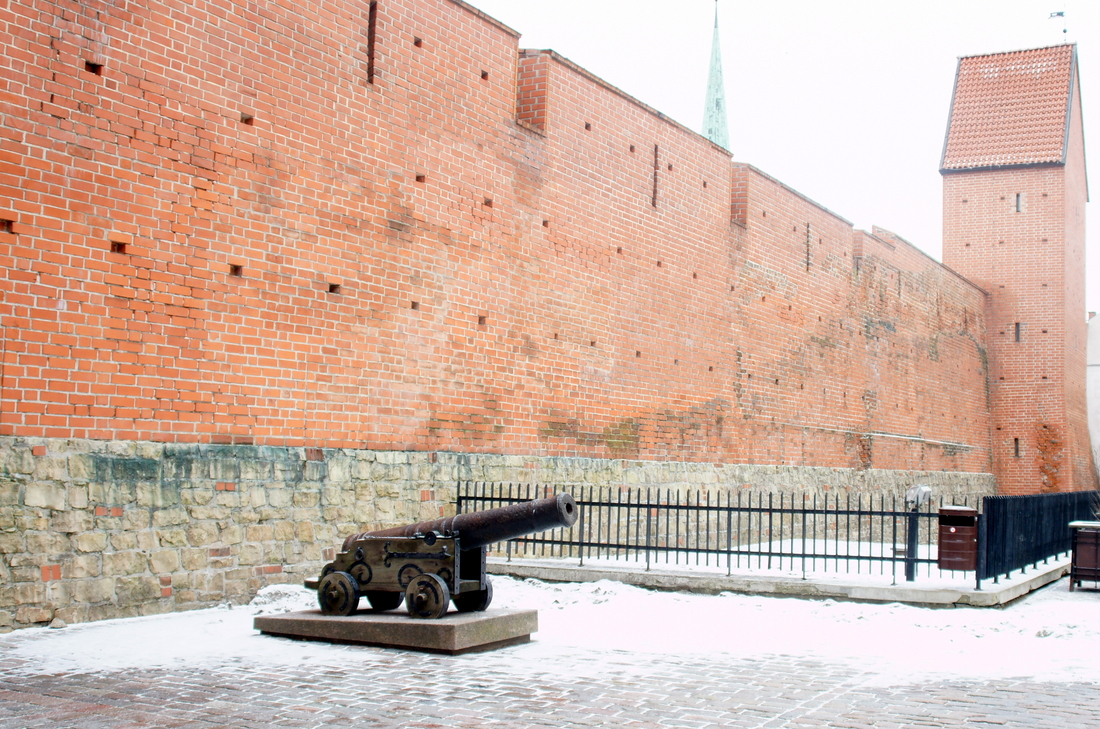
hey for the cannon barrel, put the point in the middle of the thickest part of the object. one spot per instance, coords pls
(482, 528)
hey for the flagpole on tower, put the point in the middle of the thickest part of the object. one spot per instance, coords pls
(1056, 14)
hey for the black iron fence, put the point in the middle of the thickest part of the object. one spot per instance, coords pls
(1018, 531)
(747, 529)
(737, 529)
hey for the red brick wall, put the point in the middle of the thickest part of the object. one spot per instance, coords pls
(1032, 262)
(595, 280)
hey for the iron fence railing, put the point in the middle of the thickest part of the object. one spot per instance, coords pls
(737, 529)
(750, 529)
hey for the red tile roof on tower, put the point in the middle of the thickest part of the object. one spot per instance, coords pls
(1010, 109)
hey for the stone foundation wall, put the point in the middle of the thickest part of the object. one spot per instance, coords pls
(105, 529)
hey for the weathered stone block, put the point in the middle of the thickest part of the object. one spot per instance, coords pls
(165, 560)
(123, 540)
(196, 497)
(22, 593)
(229, 499)
(157, 495)
(284, 531)
(112, 492)
(147, 540)
(260, 533)
(275, 553)
(90, 542)
(339, 470)
(93, 591)
(203, 513)
(252, 516)
(51, 468)
(232, 534)
(238, 575)
(72, 614)
(257, 497)
(27, 519)
(238, 591)
(306, 498)
(69, 522)
(314, 471)
(82, 467)
(195, 559)
(78, 497)
(123, 563)
(279, 498)
(172, 537)
(225, 469)
(250, 554)
(58, 593)
(28, 615)
(255, 470)
(136, 589)
(16, 459)
(9, 493)
(11, 542)
(310, 515)
(391, 457)
(304, 531)
(212, 585)
(135, 519)
(85, 565)
(109, 610)
(170, 517)
(268, 514)
(45, 496)
(386, 490)
(202, 534)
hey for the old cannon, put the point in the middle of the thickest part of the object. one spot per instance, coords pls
(431, 563)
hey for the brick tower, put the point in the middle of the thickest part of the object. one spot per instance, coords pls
(1014, 194)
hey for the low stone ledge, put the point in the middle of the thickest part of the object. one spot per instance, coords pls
(991, 595)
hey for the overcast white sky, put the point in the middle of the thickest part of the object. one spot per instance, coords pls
(845, 101)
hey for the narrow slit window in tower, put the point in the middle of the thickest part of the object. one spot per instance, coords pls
(656, 167)
(372, 27)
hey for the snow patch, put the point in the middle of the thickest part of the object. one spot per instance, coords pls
(587, 628)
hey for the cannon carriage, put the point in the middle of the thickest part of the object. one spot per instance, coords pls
(433, 563)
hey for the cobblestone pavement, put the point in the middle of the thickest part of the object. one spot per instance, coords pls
(380, 688)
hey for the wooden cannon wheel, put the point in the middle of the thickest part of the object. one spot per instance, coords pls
(427, 596)
(338, 594)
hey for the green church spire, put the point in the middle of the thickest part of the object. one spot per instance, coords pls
(715, 127)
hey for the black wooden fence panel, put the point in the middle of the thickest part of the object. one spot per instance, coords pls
(1025, 530)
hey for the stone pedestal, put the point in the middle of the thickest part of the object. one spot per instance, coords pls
(452, 634)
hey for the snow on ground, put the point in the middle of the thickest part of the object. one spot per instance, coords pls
(1051, 635)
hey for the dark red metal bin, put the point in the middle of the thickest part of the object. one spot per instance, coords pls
(1086, 553)
(958, 545)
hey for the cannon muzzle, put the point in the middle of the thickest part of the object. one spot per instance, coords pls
(482, 528)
